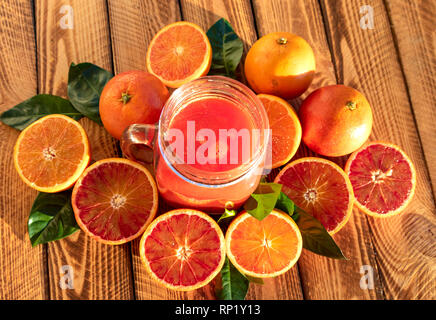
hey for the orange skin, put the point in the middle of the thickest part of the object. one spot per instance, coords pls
(131, 97)
(281, 64)
(336, 120)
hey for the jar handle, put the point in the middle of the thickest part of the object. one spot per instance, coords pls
(137, 142)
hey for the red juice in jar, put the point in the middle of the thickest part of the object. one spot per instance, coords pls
(211, 145)
(216, 115)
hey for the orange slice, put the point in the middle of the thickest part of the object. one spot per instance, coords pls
(51, 153)
(179, 53)
(115, 200)
(383, 179)
(321, 188)
(265, 248)
(183, 249)
(285, 128)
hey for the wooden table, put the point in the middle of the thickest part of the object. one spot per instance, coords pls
(393, 64)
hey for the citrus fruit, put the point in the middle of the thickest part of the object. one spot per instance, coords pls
(321, 188)
(179, 53)
(266, 248)
(281, 64)
(285, 128)
(131, 97)
(383, 179)
(183, 249)
(51, 153)
(114, 200)
(336, 120)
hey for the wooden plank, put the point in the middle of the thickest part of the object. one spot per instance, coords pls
(133, 24)
(414, 31)
(367, 60)
(239, 14)
(22, 267)
(322, 278)
(100, 271)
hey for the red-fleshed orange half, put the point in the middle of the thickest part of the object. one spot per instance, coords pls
(321, 188)
(183, 249)
(114, 200)
(383, 179)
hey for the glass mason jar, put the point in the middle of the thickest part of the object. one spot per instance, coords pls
(192, 186)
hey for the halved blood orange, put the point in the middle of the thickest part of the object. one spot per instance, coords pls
(321, 188)
(52, 153)
(285, 127)
(383, 179)
(115, 200)
(265, 248)
(179, 53)
(183, 249)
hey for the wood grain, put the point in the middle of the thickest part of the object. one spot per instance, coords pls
(322, 278)
(133, 25)
(100, 271)
(23, 268)
(239, 14)
(366, 59)
(393, 65)
(413, 26)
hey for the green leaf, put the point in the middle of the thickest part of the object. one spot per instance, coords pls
(234, 284)
(263, 200)
(315, 236)
(85, 84)
(227, 214)
(51, 218)
(285, 204)
(227, 48)
(27, 112)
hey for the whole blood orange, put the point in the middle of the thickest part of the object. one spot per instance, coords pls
(281, 64)
(131, 97)
(179, 53)
(114, 200)
(183, 249)
(321, 188)
(266, 248)
(285, 129)
(52, 153)
(336, 120)
(383, 179)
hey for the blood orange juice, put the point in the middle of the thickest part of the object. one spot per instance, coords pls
(210, 146)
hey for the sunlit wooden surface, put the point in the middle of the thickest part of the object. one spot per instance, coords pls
(393, 64)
